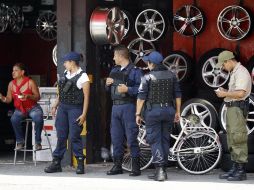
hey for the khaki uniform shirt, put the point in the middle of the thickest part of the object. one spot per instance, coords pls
(240, 79)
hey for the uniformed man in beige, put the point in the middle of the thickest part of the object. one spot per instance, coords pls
(236, 100)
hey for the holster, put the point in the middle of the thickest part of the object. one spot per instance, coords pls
(245, 107)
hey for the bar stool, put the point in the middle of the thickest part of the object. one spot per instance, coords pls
(24, 149)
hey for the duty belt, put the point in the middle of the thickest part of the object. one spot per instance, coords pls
(121, 102)
(234, 103)
(161, 105)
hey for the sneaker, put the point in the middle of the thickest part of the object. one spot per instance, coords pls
(38, 147)
(20, 146)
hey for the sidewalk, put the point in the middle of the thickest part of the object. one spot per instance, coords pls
(30, 177)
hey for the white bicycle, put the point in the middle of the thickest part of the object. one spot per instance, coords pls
(196, 149)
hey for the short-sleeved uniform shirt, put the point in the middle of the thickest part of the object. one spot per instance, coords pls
(82, 79)
(240, 79)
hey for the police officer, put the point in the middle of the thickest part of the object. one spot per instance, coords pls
(71, 105)
(157, 92)
(123, 82)
(236, 100)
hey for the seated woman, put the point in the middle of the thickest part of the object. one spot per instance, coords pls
(25, 94)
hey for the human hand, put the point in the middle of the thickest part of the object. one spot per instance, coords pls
(177, 117)
(81, 119)
(122, 88)
(221, 93)
(139, 120)
(53, 111)
(109, 81)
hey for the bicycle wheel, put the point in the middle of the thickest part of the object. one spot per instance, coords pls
(145, 158)
(199, 152)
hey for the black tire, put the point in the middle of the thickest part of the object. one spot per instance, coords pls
(185, 60)
(209, 95)
(131, 23)
(201, 105)
(206, 56)
(250, 68)
(226, 163)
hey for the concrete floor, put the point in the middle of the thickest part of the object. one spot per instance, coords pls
(30, 177)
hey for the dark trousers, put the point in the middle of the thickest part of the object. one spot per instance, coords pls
(158, 124)
(36, 114)
(123, 124)
(66, 123)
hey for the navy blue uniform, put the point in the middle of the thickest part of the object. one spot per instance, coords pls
(159, 110)
(123, 110)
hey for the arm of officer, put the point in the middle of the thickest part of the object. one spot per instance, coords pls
(140, 104)
(136, 77)
(8, 98)
(177, 95)
(241, 87)
(236, 94)
(142, 95)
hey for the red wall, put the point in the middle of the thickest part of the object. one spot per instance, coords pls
(210, 37)
(29, 49)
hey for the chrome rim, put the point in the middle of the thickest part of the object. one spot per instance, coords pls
(188, 20)
(138, 49)
(177, 64)
(3, 18)
(198, 113)
(250, 117)
(46, 26)
(54, 55)
(16, 19)
(212, 76)
(107, 26)
(234, 22)
(126, 24)
(150, 25)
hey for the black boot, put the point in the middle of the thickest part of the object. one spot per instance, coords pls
(117, 168)
(152, 176)
(55, 166)
(135, 167)
(229, 173)
(239, 174)
(80, 168)
(160, 174)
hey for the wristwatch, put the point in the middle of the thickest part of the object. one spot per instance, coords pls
(138, 114)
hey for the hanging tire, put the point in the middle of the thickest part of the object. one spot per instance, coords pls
(188, 20)
(250, 118)
(179, 63)
(150, 25)
(208, 75)
(107, 26)
(201, 113)
(234, 22)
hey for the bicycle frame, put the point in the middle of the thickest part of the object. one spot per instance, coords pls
(186, 130)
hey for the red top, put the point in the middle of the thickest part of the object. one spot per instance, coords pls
(23, 105)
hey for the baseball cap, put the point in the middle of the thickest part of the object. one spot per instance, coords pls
(154, 57)
(71, 56)
(224, 56)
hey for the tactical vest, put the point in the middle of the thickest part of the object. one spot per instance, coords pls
(120, 78)
(69, 93)
(160, 87)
